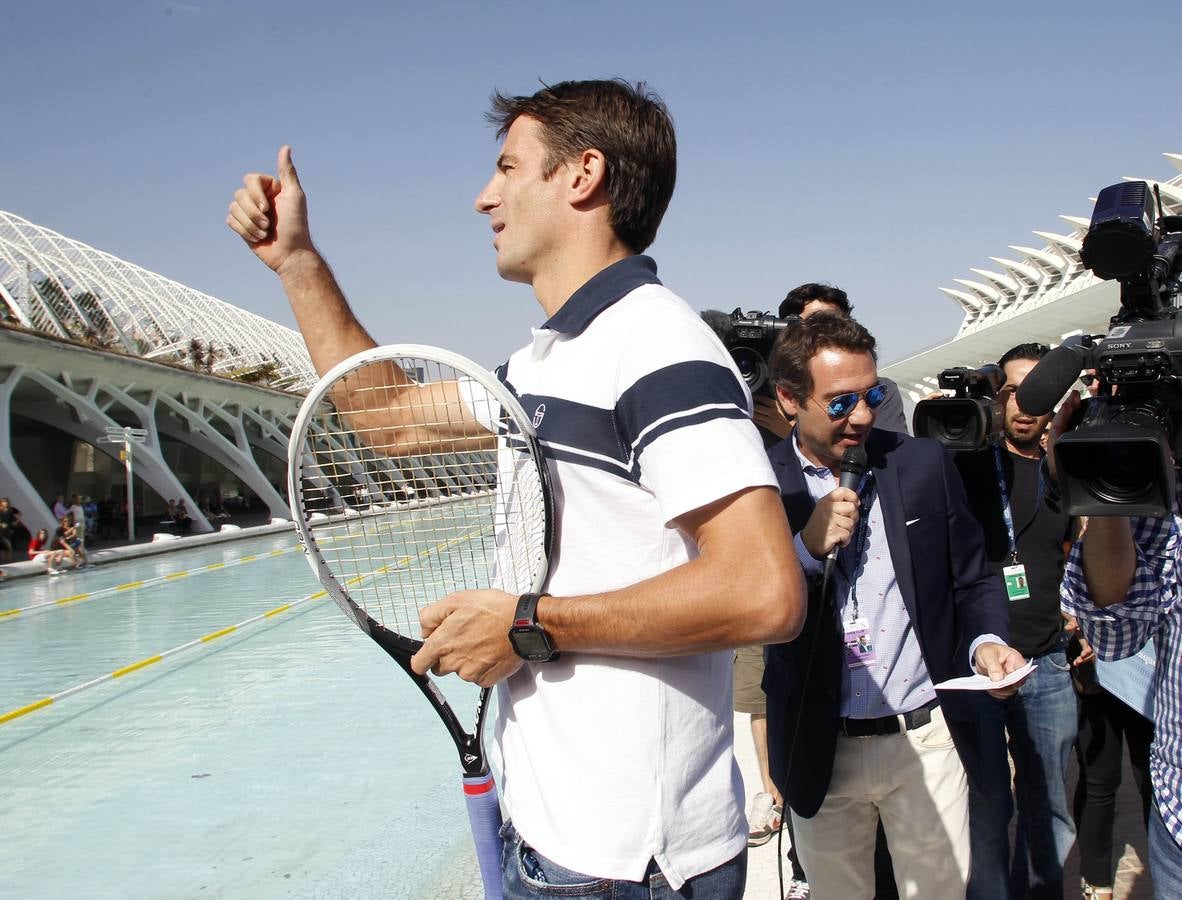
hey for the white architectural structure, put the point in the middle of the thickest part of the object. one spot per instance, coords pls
(64, 288)
(90, 342)
(1041, 293)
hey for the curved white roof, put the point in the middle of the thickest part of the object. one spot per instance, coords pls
(59, 286)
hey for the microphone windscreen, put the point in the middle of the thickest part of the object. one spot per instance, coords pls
(720, 324)
(1048, 381)
(853, 466)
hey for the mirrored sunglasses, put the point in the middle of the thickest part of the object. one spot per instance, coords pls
(843, 404)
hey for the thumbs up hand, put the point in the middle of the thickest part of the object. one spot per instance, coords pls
(270, 213)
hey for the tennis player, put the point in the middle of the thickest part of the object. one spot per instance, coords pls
(672, 545)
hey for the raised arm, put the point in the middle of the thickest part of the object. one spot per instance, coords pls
(270, 213)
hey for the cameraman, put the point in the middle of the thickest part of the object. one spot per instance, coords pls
(1026, 542)
(1122, 583)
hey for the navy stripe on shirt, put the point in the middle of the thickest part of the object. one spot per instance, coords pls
(682, 388)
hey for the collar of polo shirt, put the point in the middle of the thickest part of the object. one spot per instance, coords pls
(601, 291)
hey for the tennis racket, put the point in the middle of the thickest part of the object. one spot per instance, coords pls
(414, 473)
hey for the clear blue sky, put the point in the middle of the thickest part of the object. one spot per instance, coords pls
(886, 148)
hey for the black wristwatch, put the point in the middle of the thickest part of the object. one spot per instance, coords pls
(529, 639)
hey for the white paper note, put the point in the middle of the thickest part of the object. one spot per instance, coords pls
(982, 682)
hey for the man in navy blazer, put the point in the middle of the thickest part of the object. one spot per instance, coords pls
(913, 599)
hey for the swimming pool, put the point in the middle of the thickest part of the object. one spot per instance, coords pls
(290, 758)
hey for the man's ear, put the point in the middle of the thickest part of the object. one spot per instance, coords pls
(787, 402)
(588, 176)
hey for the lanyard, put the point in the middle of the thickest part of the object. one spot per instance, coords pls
(866, 496)
(1005, 503)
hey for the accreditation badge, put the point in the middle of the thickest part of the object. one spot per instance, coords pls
(1017, 587)
(859, 652)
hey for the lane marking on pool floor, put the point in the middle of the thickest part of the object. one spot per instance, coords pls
(9, 614)
(222, 632)
(159, 657)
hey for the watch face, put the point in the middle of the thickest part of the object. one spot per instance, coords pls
(530, 644)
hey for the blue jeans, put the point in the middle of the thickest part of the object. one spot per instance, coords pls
(1042, 720)
(1165, 859)
(526, 874)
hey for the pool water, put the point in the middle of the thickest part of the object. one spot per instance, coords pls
(291, 758)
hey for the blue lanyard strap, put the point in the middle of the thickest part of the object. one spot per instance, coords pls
(1005, 503)
(866, 497)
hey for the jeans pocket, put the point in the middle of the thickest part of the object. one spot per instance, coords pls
(543, 877)
(1056, 660)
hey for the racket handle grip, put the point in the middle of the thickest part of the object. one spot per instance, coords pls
(484, 815)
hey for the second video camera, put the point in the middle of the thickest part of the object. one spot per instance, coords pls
(971, 418)
(749, 337)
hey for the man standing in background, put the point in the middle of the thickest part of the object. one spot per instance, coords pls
(1026, 542)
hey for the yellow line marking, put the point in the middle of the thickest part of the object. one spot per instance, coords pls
(119, 673)
(17, 713)
(130, 586)
(176, 575)
(220, 565)
(247, 558)
(73, 599)
(126, 670)
(10, 612)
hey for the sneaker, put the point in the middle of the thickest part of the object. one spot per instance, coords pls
(797, 890)
(53, 571)
(759, 820)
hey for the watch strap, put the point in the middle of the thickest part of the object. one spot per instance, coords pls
(527, 611)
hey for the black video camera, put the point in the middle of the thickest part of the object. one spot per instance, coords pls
(970, 419)
(1120, 458)
(749, 337)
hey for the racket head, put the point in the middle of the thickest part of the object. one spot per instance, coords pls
(391, 518)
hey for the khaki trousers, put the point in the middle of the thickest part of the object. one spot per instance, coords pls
(915, 782)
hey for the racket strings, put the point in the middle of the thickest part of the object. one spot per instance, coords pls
(409, 502)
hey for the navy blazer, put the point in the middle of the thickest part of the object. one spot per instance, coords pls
(951, 594)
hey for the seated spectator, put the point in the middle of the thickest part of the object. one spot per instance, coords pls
(65, 541)
(182, 520)
(40, 547)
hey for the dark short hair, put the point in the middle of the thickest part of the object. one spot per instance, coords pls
(798, 344)
(799, 297)
(1034, 351)
(628, 123)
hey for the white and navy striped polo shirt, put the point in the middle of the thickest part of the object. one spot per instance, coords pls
(612, 761)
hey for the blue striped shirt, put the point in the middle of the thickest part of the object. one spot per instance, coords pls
(1150, 610)
(898, 681)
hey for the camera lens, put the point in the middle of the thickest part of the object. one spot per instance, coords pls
(750, 365)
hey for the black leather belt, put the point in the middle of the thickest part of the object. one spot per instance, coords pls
(900, 724)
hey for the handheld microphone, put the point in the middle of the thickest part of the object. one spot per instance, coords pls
(1048, 381)
(853, 466)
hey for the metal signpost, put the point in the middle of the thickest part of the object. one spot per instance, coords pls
(126, 437)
